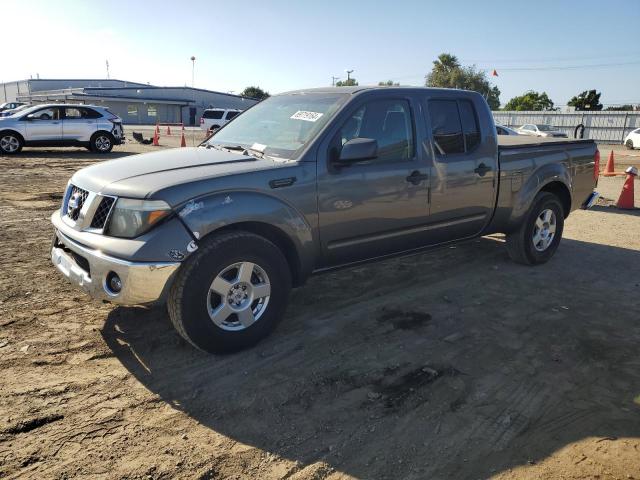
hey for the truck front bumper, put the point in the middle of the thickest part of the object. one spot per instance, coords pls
(93, 271)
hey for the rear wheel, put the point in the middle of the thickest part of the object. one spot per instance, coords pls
(230, 293)
(538, 237)
(102, 142)
(10, 143)
(629, 144)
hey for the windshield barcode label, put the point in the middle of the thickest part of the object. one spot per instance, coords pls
(306, 116)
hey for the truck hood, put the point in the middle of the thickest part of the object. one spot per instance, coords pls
(142, 176)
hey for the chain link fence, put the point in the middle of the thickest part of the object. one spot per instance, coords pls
(604, 127)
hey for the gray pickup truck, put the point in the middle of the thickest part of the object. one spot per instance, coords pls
(306, 182)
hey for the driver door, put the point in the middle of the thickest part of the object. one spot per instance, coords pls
(44, 125)
(374, 207)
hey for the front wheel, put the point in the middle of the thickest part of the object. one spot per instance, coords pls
(10, 143)
(102, 142)
(538, 237)
(230, 293)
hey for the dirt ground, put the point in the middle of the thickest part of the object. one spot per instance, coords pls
(452, 364)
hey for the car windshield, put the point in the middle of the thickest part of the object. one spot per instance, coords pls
(19, 109)
(280, 126)
(545, 128)
(29, 109)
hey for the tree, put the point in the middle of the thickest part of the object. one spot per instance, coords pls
(351, 82)
(448, 73)
(255, 92)
(587, 100)
(530, 101)
(388, 83)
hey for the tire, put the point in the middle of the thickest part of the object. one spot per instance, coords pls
(629, 144)
(206, 318)
(102, 142)
(10, 143)
(522, 245)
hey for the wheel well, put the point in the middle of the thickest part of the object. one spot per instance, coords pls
(278, 238)
(101, 131)
(13, 132)
(561, 191)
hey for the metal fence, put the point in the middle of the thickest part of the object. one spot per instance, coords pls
(604, 127)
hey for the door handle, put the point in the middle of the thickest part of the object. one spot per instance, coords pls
(482, 169)
(416, 177)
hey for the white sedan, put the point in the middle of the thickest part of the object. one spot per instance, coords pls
(540, 130)
(632, 140)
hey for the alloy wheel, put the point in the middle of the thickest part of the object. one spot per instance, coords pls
(238, 296)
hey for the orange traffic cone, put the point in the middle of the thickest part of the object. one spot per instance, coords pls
(156, 138)
(626, 199)
(183, 142)
(609, 169)
(168, 130)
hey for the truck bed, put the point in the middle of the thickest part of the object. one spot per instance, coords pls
(513, 141)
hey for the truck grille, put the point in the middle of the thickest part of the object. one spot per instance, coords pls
(102, 212)
(80, 196)
(97, 208)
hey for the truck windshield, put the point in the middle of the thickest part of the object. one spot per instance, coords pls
(281, 126)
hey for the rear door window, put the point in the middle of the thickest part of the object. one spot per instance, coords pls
(446, 127)
(72, 113)
(469, 125)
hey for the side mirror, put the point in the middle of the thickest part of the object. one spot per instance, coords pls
(358, 149)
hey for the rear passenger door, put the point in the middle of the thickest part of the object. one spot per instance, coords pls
(463, 170)
(79, 123)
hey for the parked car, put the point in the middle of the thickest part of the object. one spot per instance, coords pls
(502, 130)
(632, 140)
(59, 125)
(10, 105)
(303, 183)
(215, 118)
(13, 111)
(541, 130)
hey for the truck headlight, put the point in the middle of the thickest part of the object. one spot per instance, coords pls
(131, 218)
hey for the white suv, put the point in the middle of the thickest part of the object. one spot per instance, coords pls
(214, 118)
(61, 125)
(632, 140)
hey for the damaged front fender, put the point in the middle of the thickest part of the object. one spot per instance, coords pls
(207, 214)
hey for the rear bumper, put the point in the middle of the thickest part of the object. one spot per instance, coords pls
(89, 270)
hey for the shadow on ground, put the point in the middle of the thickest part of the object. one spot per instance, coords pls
(613, 209)
(452, 364)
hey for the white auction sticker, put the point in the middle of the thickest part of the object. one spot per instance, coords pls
(306, 116)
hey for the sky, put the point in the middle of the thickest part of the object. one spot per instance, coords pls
(561, 47)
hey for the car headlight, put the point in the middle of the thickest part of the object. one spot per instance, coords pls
(131, 218)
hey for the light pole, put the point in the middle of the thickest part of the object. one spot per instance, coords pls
(333, 80)
(193, 69)
(349, 72)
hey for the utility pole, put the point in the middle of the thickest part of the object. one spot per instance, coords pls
(349, 72)
(107, 62)
(193, 69)
(333, 80)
